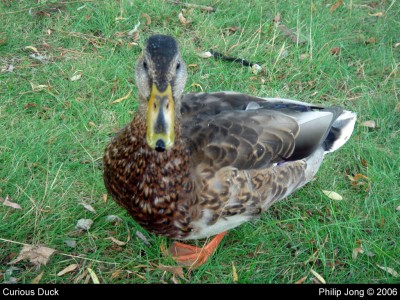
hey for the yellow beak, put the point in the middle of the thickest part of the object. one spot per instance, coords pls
(160, 119)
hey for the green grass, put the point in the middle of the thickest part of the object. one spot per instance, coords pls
(52, 140)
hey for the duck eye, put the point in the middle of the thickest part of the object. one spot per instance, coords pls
(178, 66)
(145, 65)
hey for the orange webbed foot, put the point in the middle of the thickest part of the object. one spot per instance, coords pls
(192, 256)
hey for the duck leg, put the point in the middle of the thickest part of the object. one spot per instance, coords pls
(193, 256)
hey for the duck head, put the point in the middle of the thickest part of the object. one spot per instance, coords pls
(160, 77)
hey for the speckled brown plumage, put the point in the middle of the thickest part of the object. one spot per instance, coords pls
(233, 156)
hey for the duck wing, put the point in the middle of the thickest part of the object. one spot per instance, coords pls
(245, 132)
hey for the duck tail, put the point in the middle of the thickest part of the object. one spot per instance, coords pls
(340, 132)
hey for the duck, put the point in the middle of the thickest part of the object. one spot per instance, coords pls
(195, 165)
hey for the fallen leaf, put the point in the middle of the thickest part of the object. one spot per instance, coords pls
(304, 56)
(38, 255)
(197, 85)
(335, 51)
(398, 208)
(356, 251)
(75, 77)
(143, 238)
(116, 274)
(84, 224)
(332, 195)
(371, 40)
(68, 269)
(122, 98)
(277, 18)
(193, 66)
(335, 6)
(301, 280)
(396, 45)
(93, 275)
(113, 219)
(92, 124)
(207, 54)
(182, 19)
(9, 203)
(70, 243)
(38, 87)
(148, 19)
(118, 242)
(378, 14)
(369, 124)
(80, 277)
(34, 49)
(88, 207)
(319, 277)
(398, 107)
(104, 198)
(389, 270)
(175, 270)
(37, 279)
(235, 276)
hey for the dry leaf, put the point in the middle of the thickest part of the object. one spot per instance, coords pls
(371, 40)
(93, 275)
(37, 255)
(92, 124)
(197, 85)
(291, 35)
(277, 18)
(319, 277)
(335, 6)
(118, 242)
(143, 238)
(75, 77)
(175, 270)
(335, 51)
(88, 207)
(356, 251)
(396, 45)
(38, 87)
(84, 224)
(68, 269)
(207, 54)
(378, 14)
(193, 66)
(37, 279)
(301, 280)
(9, 203)
(398, 208)
(389, 270)
(183, 19)
(235, 276)
(104, 198)
(148, 19)
(304, 56)
(70, 243)
(369, 124)
(113, 219)
(116, 274)
(332, 195)
(34, 49)
(80, 277)
(122, 98)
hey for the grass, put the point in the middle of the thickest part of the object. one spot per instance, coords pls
(52, 138)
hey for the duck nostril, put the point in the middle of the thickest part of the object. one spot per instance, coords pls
(160, 146)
